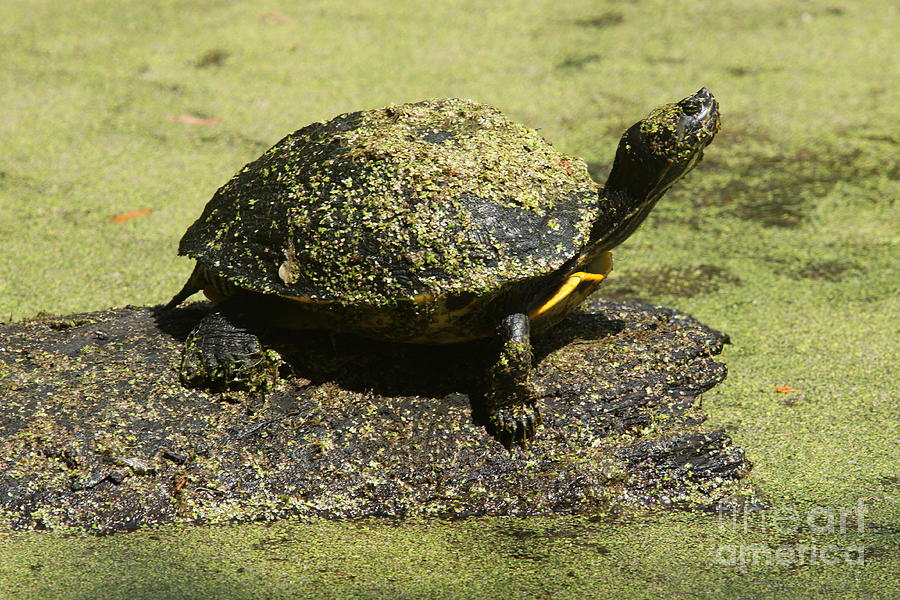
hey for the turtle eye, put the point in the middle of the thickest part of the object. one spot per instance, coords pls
(691, 108)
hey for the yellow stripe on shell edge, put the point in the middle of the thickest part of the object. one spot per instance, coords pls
(307, 300)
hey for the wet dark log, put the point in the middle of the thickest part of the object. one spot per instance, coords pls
(96, 431)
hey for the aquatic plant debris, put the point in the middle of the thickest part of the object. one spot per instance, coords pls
(785, 389)
(129, 216)
(189, 119)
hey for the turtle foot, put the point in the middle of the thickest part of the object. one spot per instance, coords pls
(514, 425)
(220, 355)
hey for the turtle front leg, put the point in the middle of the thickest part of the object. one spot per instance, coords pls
(221, 354)
(512, 416)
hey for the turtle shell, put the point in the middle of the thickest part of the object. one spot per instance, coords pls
(432, 198)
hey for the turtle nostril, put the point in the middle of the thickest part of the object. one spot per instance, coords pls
(704, 93)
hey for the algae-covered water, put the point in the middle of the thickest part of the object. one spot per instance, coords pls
(119, 121)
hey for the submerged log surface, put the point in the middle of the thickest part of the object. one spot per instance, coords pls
(96, 431)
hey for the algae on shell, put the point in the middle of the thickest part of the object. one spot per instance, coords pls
(436, 197)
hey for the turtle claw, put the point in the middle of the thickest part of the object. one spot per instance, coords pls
(221, 355)
(514, 425)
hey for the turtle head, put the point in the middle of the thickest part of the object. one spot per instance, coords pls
(653, 154)
(656, 152)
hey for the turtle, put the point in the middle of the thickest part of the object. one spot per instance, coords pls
(433, 222)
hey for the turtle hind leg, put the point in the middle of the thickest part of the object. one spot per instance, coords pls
(221, 354)
(511, 414)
